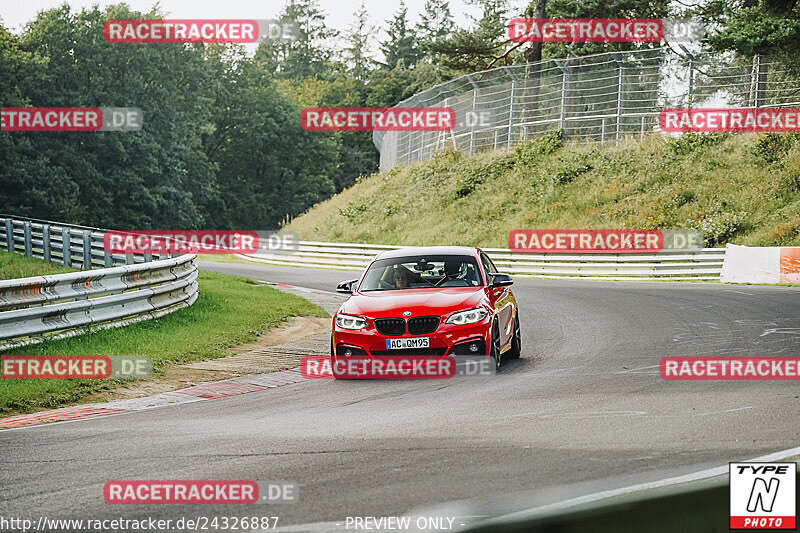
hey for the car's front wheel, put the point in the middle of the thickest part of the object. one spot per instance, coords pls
(495, 351)
(516, 341)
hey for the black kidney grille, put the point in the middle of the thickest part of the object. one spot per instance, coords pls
(423, 324)
(390, 326)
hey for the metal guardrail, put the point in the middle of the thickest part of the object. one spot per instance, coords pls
(49, 240)
(701, 264)
(63, 305)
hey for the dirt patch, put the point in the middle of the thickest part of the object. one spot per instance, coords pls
(297, 328)
(272, 352)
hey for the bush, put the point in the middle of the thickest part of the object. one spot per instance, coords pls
(690, 142)
(720, 228)
(529, 152)
(772, 147)
(569, 174)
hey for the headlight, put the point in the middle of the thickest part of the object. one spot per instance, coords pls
(468, 317)
(350, 322)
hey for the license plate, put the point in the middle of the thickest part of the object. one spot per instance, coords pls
(414, 342)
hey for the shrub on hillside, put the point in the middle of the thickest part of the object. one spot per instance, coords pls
(773, 147)
(534, 149)
(687, 143)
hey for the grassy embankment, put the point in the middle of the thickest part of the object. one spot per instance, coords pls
(229, 311)
(742, 188)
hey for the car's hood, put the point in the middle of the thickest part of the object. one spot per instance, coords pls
(420, 302)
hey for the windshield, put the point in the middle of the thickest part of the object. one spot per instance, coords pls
(422, 272)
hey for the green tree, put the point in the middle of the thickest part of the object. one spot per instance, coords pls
(357, 45)
(401, 41)
(268, 166)
(308, 53)
(469, 50)
(435, 26)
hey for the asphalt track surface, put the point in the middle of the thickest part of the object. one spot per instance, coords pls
(584, 409)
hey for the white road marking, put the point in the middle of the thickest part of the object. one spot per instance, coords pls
(636, 370)
(572, 502)
(585, 414)
(726, 411)
(588, 498)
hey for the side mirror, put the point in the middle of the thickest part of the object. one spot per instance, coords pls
(346, 287)
(501, 280)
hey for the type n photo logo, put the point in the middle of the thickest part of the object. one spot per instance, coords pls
(763, 495)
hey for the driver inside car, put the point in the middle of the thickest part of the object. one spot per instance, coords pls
(402, 278)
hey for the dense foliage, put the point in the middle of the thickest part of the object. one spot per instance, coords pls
(222, 145)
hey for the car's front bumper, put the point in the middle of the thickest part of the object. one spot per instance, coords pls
(447, 339)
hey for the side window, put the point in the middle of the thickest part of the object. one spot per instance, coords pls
(488, 266)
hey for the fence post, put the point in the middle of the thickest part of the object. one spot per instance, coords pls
(472, 117)
(562, 116)
(644, 125)
(511, 114)
(46, 242)
(66, 246)
(510, 133)
(690, 96)
(603, 130)
(619, 94)
(87, 250)
(10, 234)
(26, 226)
(758, 79)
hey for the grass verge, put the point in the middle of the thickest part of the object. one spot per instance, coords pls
(739, 188)
(230, 311)
(14, 266)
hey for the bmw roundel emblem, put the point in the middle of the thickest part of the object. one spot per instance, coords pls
(406, 313)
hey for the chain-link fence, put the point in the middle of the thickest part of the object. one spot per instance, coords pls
(599, 97)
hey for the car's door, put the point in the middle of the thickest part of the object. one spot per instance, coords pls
(502, 299)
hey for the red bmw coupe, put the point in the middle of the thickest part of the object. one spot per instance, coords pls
(438, 301)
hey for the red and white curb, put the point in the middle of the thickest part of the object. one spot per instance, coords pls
(202, 392)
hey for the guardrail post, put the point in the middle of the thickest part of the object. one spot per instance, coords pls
(87, 250)
(66, 246)
(46, 242)
(10, 234)
(28, 242)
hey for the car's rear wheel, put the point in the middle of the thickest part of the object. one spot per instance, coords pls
(516, 341)
(495, 351)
